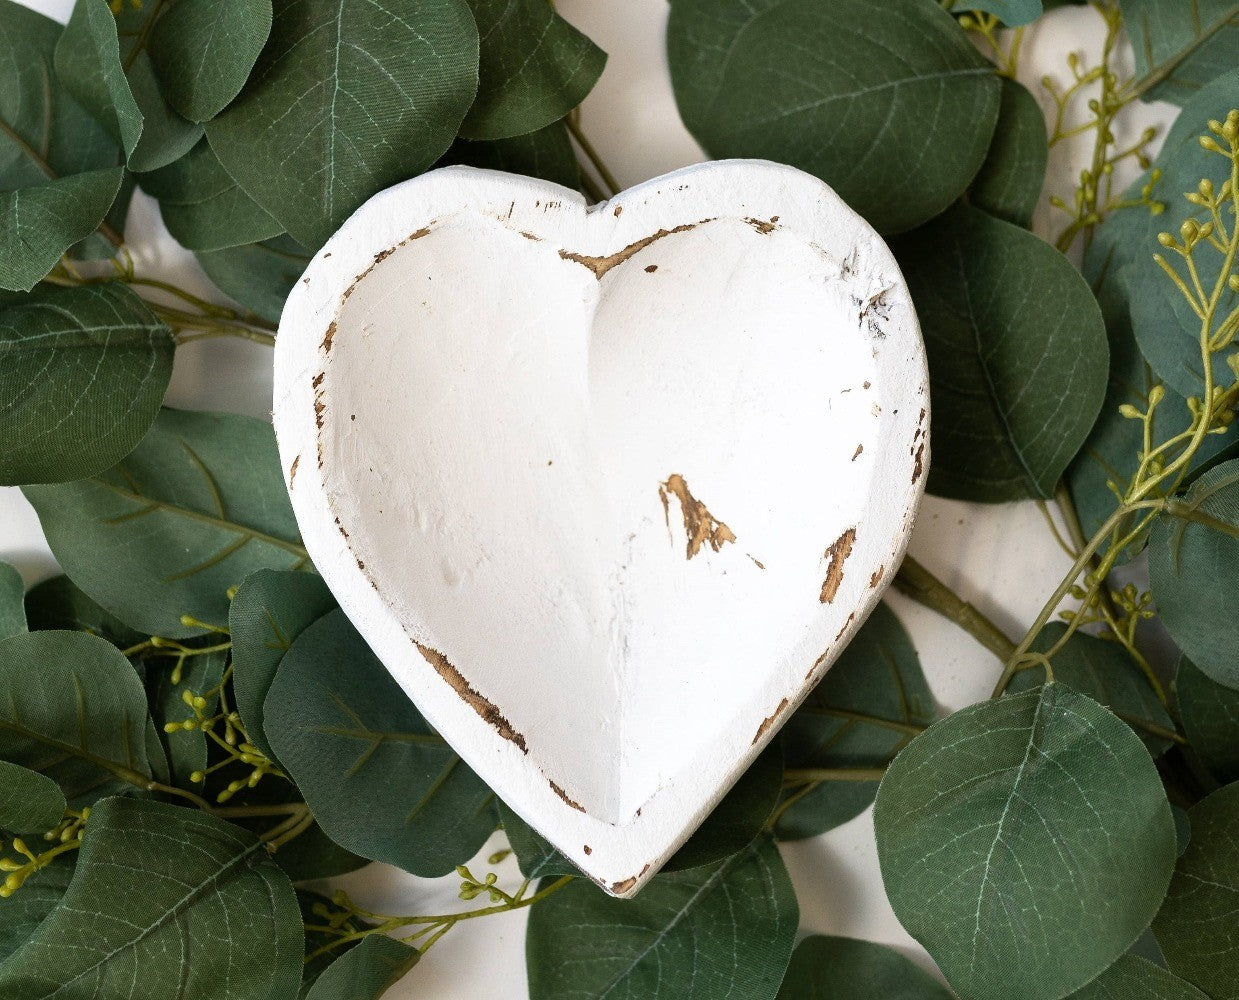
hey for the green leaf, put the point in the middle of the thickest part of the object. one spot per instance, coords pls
(267, 614)
(1107, 674)
(1010, 180)
(346, 100)
(887, 101)
(12, 609)
(97, 246)
(1025, 842)
(1210, 714)
(41, 223)
(729, 828)
(862, 713)
(365, 972)
(1196, 925)
(825, 967)
(203, 207)
(259, 275)
(197, 507)
(1132, 978)
(22, 912)
(30, 802)
(722, 932)
(58, 603)
(546, 154)
(84, 371)
(1180, 48)
(1017, 355)
(101, 59)
(203, 51)
(1166, 328)
(379, 780)
(1012, 12)
(1194, 572)
(166, 901)
(73, 709)
(534, 68)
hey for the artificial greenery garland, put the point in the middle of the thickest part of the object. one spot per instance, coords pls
(179, 750)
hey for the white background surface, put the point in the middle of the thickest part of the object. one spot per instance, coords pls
(1002, 558)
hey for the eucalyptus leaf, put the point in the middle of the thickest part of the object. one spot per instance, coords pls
(1210, 714)
(203, 207)
(1132, 978)
(58, 603)
(83, 373)
(30, 802)
(347, 99)
(1013, 13)
(729, 828)
(885, 100)
(165, 901)
(39, 224)
(268, 612)
(534, 68)
(197, 507)
(1194, 572)
(98, 246)
(365, 972)
(1196, 925)
(258, 275)
(546, 154)
(1025, 842)
(101, 59)
(1010, 180)
(203, 51)
(73, 709)
(863, 712)
(1017, 355)
(12, 607)
(1165, 325)
(1179, 50)
(721, 932)
(1107, 674)
(379, 780)
(835, 968)
(22, 912)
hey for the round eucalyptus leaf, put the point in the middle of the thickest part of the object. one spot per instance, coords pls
(534, 68)
(269, 610)
(1194, 572)
(59, 603)
(1017, 355)
(1012, 12)
(1210, 715)
(1196, 925)
(84, 372)
(1132, 978)
(166, 900)
(721, 932)
(12, 606)
(546, 154)
(73, 709)
(1025, 842)
(198, 506)
(866, 709)
(365, 972)
(346, 100)
(1106, 673)
(203, 51)
(380, 781)
(826, 968)
(1009, 182)
(258, 275)
(30, 802)
(203, 207)
(887, 101)
(1177, 54)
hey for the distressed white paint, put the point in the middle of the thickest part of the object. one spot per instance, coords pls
(479, 434)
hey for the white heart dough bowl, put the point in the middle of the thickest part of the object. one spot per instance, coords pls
(606, 489)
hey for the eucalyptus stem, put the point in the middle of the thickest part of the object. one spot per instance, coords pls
(587, 147)
(915, 581)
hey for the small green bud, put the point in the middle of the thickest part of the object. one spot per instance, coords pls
(197, 777)
(1165, 239)
(1156, 395)
(1130, 412)
(1210, 144)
